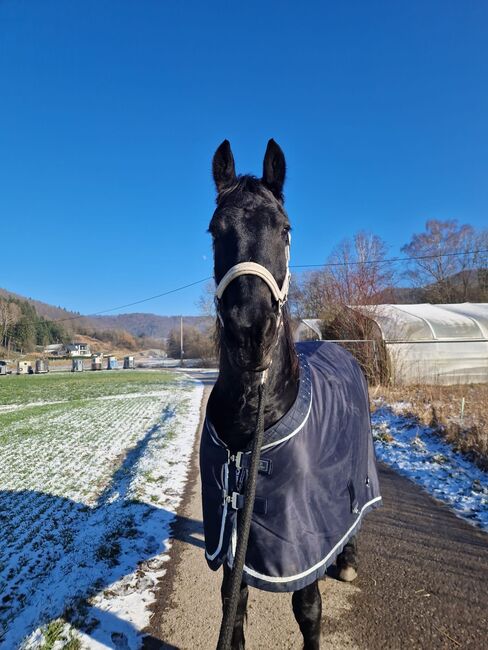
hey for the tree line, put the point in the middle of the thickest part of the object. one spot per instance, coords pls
(196, 344)
(21, 328)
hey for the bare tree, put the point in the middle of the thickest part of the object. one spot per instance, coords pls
(309, 297)
(356, 274)
(198, 345)
(206, 301)
(357, 271)
(10, 314)
(447, 260)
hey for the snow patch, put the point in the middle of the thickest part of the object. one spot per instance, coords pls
(417, 452)
(86, 503)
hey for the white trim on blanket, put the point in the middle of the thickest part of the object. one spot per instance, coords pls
(298, 576)
(293, 433)
(215, 438)
(224, 516)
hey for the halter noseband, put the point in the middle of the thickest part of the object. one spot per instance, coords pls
(253, 268)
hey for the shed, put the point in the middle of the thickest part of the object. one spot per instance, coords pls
(77, 365)
(112, 363)
(96, 361)
(445, 344)
(24, 368)
(129, 363)
(42, 366)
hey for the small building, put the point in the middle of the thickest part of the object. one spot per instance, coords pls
(77, 365)
(24, 368)
(112, 363)
(78, 350)
(42, 366)
(129, 363)
(97, 361)
(3, 368)
(55, 350)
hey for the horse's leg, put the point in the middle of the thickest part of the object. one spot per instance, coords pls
(347, 561)
(238, 641)
(307, 607)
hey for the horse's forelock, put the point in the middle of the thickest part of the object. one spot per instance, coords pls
(246, 185)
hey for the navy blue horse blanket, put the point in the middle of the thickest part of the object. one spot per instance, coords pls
(317, 478)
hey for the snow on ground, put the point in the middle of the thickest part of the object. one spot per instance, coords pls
(88, 491)
(417, 452)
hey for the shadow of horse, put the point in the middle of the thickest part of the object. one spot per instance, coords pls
(57, 553)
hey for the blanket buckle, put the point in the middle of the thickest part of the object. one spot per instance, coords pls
(235, 500)
(239, 456)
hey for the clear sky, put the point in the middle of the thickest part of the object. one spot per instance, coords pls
(110, 112)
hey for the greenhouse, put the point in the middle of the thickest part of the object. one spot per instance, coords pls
(426, 343)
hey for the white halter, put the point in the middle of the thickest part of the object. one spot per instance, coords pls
(253, 268)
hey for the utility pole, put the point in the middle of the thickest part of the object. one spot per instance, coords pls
(181, 341)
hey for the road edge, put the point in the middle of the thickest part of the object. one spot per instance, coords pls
(165, 587)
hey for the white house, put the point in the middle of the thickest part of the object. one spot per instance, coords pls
(78, 350)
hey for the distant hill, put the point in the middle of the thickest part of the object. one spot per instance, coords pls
(151, 325)
(42, 308)
(138, 324)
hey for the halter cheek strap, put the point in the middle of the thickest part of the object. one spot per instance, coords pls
(253, 268)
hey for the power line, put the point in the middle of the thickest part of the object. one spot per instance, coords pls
(392, 259)
(159, 295)
(293, 266)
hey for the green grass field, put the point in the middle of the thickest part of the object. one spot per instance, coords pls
(28, 389)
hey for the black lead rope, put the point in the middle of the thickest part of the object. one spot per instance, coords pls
(232, 600)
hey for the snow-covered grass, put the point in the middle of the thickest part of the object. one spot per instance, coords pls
(417, 451)
(90, 477)
(458, 413)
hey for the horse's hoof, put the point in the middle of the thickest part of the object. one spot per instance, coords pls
(348, 574)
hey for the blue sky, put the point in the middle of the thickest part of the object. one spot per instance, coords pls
(110, 112)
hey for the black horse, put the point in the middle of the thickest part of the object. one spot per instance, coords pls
(250, 225)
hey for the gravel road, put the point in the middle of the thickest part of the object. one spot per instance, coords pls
(423, 583)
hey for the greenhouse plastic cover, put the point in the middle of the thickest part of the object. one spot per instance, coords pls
(435, 343)
(428, 322)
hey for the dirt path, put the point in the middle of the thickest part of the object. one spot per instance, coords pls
(423, 583)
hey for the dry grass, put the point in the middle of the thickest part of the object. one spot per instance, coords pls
(441, 407)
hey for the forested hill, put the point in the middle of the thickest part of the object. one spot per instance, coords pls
(26, 322)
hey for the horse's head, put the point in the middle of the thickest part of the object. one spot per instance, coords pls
(250, 225)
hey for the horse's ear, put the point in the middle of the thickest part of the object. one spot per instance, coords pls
(274, 169)
(223, 167)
